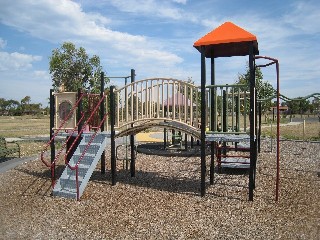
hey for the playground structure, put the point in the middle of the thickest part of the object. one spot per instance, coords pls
(214, 114)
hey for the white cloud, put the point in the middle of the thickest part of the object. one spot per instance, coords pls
(154, 8)
(66, 21)
(180, 1)
(16, 61)
(171, 54)
(147, 7)
(305, 16)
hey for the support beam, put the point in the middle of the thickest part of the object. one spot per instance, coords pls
(133, 160)
(252, 122)
(51, 132)
(212, 120)
(203, 121)
(102, 113)
(113, 143)
(259, 133)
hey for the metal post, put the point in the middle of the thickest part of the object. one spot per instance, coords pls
(259, 131)
(203, 121)
(133, 160)
(79, 111)
(102, 113)
(185, 141)
(52, 145)
(113, 143)
(224, 118)
(252, 122)
(212, 120)
(126, 137)
(278, 132)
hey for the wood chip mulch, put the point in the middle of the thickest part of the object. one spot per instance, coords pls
(163, 201)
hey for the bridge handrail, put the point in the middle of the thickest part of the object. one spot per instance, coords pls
(160, 98)
(155, 79)
(227, 85)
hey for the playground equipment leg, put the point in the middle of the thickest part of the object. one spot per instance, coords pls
(52, 145)
(113, 143)
(212, 163)
(103, 156)
(252, 122)
(133, 160)
(203, 121)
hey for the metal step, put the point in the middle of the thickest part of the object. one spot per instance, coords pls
(66, 186)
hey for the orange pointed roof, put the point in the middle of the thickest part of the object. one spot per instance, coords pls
(227, 40)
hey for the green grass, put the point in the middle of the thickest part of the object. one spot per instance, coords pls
(23, 126)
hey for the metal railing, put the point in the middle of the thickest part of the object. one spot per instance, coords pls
(56, 159)
(230, 111)
(156, 99)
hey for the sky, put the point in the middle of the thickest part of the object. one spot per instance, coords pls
(155, 37)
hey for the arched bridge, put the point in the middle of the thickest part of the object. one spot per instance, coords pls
(157, 102)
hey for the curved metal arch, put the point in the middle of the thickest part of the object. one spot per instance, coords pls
(183, 82)
(171, 124)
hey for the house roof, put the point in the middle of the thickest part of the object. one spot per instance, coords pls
(227, 40)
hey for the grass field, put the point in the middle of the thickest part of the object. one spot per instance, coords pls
(25, 126)
(32, 126)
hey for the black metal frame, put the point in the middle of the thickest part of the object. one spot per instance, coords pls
(252, 116)
(113, 145)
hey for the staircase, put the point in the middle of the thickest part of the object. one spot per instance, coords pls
(66, 186)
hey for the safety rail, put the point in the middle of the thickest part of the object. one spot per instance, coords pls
(232, 102)
(59, 129)
(76, 166)
(157, 99)
(52, 164)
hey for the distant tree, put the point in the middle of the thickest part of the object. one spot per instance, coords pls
(72, 68)
(299, 106)
(316, 105)
(8, 107)
(264, 88)
(25, 100)
(25, 104)
(2, 105)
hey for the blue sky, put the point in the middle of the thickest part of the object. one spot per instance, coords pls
(155, 37)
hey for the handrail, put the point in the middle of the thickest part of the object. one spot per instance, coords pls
(58, 130)
(156, 79)
(52, 164)
(63, 146)
(75, 167)
(84, 125)
(227, 85)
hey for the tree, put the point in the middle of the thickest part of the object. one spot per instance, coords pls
(299, 106)
(26, 100)
(264, 88)
(9, 107)
(72, 68)
(25, 104)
